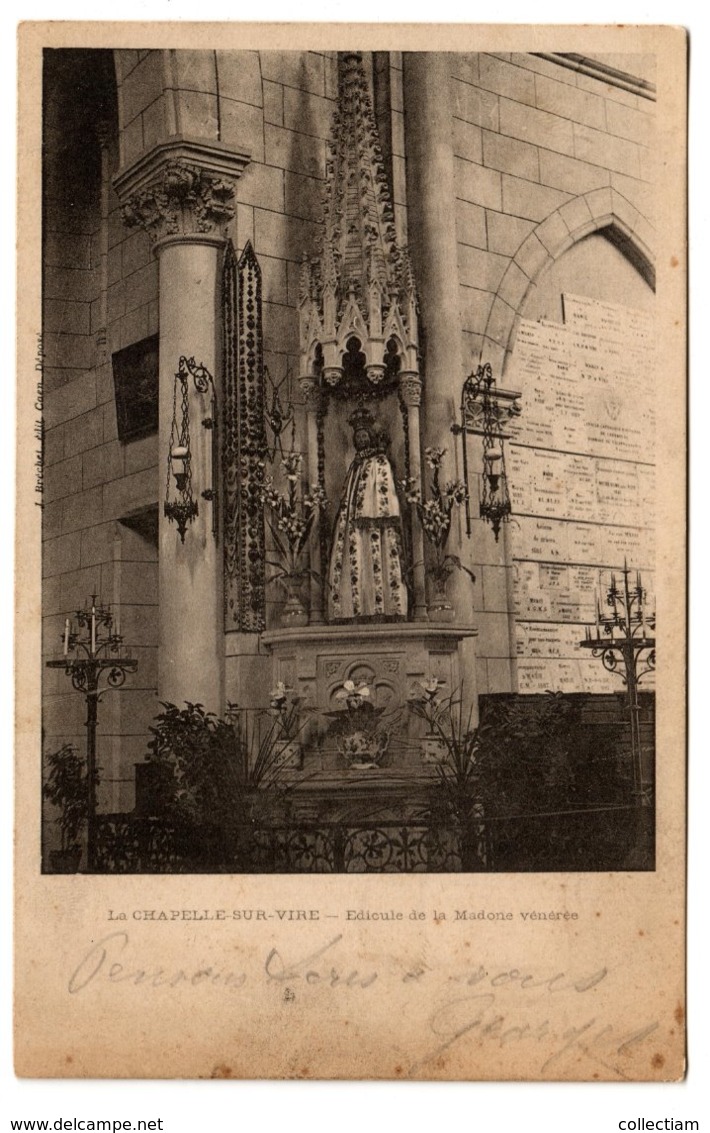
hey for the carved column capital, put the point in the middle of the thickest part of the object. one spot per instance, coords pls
(310, 392)
(181, 188)
(410, 385)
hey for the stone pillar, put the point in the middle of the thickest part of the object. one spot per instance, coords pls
(310, 390)
(411, 389)
(431, 197)
(182, 193)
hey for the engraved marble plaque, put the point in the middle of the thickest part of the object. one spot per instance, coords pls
(581, 480)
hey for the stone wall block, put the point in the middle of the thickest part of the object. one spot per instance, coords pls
(464, 66)
(139, 584)
(83, 509)
(68, 250)
(576, 215)
(629, 123)
(132, 141)
(239, 75)
(600, 204)
(558, 97)
(154, 121)
(304, 197)
(553, 234)
(532, 256)
(477, 185)
(474, 105)
(506, 233)
(53, 445)
(97, 544)
(102, 464)
(140, 454)
(274, 277)
(475, 306)
(536, 127)
(514, 286)
(510, 156)
(480, 269)
(500, 322)
(72, 400)
(200, 115)
(571, 174)
(63, 283)
(262, 185)
(602, 149)
(467, 141)
(308, 113)
(129, 493)
(64, 479)
(300, 69)
(528, 200)
(196, 71)
(299, 152)
(641, 195)
(273, 103)
(61, 554)
(471, 225)
(67, 316)
(141, 86)
(506, 79)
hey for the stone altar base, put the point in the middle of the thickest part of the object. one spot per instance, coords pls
(316, 661)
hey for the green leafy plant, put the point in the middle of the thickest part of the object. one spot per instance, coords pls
(228, 772)
(67, 788)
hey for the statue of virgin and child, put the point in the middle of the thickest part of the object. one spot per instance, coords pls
(366, 572)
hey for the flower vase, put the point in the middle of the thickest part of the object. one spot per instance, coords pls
(440, 608)
(293, 612)
(362, 750)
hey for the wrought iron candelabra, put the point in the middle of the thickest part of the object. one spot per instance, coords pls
(624, 638)
(92, 653)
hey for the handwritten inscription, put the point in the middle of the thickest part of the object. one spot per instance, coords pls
(556, 1012)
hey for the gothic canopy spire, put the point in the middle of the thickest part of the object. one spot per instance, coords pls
(361, 284)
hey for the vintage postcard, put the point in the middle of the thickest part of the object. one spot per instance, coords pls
(351, 543)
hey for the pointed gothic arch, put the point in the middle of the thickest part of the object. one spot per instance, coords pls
(605, 212)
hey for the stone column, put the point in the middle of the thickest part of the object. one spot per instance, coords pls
(411, 389)
(311, 392)
(182, 193)
(431, 200)
(431, 204)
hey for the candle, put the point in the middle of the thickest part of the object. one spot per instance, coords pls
(66, 637)
(93, 629)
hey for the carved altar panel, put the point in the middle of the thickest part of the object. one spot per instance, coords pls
(390, 659)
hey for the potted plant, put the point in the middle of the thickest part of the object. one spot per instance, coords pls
(291, 516)
(357, 728)
(228, 774)
(67, 787)
(435, 517)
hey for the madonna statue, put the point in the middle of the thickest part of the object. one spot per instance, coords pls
(366, 569)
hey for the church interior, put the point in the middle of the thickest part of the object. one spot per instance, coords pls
(348, 460)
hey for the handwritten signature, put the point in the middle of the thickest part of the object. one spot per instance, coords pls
(483, 1017)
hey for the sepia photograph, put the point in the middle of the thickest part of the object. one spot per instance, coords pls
(348, 460)
(351, 482)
